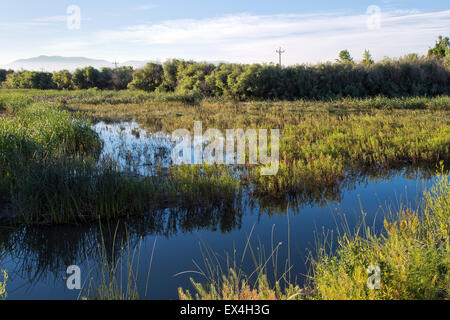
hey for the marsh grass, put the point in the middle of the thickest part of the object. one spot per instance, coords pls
(50, 175)
(3, 282)
(226, 279)
(323, 144)
(322, 141)
(94, 97)
(412, 253)
(117, 274)
(61, 191)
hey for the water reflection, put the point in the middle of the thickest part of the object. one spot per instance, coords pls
(44, 250)
(322, 196)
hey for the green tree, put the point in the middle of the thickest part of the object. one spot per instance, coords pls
(440, 49)
(63, 79)
(13, 80)
(345, 57)
(170, 78)
(29, 80)
(79, 79)
(93, 78)
(367, 58)
(149, 78)
(106, 76)
(3, 74)
(42, 80)
(87, 78)
(121, 77)
(192, 77)
(447, 58)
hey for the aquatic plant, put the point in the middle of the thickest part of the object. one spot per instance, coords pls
(233, 288)
(226, 279)
(4, 280)
(117, 273)
(412, 254)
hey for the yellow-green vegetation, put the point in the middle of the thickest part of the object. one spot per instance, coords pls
(226, 278)
(323, 142)
(3, 281)
(116, 276)
(234, 288)
(413, 254)
(319, 151)
(49, 172)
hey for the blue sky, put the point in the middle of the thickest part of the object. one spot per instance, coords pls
(236, 31)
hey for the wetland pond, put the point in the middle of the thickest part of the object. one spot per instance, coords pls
(36, 258)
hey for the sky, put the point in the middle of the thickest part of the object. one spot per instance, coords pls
(245, 31)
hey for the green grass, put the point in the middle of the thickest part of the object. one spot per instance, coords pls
(94, 96)
(322, 141)
(61, 191)
(46, 136)
(319, 151)
(32, 134)
(49, 172)
(117, 272)
(413, 254)
(226, 279)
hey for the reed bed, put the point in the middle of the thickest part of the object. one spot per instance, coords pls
(225, 277)
(412, 254)
(50, 174)
(46, 141)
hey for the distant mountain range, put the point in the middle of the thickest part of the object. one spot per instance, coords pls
(56, 63)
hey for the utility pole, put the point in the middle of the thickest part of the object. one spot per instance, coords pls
(280, 52)
(115, 63)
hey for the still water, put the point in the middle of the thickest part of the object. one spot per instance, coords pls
(36, 258)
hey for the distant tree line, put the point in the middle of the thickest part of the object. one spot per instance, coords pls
(86, 78)
(409, 75)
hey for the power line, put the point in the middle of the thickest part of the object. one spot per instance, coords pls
(280, 52)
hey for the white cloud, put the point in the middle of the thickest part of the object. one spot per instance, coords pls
(307, 38)
(146, 7)
(52, 19)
